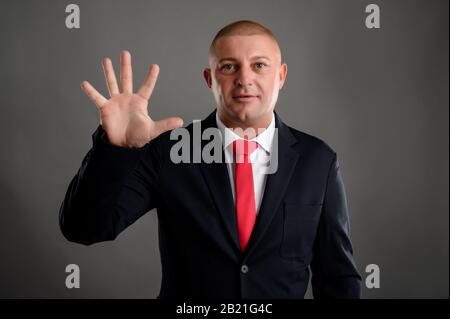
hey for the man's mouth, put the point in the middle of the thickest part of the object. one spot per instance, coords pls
(244, 97)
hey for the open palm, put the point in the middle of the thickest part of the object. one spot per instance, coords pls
(124, 117)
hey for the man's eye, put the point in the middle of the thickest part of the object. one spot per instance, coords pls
(260, 65)
(227, 67)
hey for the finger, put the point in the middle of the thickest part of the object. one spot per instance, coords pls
(126, 74)
(168, 124)
(110, 77)
(149, 83)
(93, 94)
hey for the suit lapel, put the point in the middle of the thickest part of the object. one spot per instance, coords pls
(276, 183)
(218, 181)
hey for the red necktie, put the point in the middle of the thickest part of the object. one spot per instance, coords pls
(245, 194)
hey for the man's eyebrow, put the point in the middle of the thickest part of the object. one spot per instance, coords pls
(227, 59)
(257, 57)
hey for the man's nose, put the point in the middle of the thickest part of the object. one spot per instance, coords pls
(244, 77)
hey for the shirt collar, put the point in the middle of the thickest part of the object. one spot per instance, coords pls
(264, 139)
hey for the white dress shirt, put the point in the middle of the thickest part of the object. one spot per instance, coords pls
(258, 158)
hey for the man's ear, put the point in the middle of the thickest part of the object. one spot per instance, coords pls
(283, 74)
(207, 76)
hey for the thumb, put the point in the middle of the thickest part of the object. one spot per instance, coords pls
(168, 124)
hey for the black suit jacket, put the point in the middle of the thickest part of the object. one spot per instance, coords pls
(302, 223)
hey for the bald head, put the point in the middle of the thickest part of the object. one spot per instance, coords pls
(243, 28)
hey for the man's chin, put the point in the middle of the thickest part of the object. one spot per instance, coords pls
(245, 112)
(244, 117)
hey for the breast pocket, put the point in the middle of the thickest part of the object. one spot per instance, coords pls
(299, 229)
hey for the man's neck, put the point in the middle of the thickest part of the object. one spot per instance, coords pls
(247, 130)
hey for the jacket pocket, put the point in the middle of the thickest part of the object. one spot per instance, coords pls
(299, 229)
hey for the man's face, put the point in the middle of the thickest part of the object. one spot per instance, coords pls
(245, 76)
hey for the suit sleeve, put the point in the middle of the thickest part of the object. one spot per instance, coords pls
(334, 273)
(112, 189)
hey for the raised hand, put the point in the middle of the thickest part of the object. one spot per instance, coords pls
(124, 117)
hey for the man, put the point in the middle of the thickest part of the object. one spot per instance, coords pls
(226, 230)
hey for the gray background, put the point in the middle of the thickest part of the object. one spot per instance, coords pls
(378, 97)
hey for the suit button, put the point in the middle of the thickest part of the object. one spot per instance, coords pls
(244, 269)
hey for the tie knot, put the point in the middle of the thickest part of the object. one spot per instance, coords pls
(244, 147)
